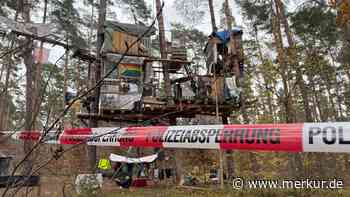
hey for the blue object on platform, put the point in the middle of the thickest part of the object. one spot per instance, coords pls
(224, 36)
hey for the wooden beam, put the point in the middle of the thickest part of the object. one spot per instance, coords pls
(44, 39)
(167, 60)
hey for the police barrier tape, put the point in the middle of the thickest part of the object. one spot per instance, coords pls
(300, 137)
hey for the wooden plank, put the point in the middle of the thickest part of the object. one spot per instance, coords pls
(148, 100)
(120, 38)
(218, 86)
(167, 60)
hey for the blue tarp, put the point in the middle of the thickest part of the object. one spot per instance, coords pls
(224, 36)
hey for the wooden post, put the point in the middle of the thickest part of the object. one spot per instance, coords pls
(228, 155)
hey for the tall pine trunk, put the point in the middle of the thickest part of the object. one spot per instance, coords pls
(163, 52)
(293, 61)
(91, 150)
(39, 69)
(30, 77)
(212, 15)
(294, 163)
(228, 15)
(4, 98)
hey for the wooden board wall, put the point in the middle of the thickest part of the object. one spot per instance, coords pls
(219, 86)
(119, 40)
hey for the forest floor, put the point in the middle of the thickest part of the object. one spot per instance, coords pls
(109, 190)
(54, 187)
(177, 192)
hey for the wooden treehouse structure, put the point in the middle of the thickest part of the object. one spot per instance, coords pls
(134, 92)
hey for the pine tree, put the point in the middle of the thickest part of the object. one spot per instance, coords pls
(68, 20)
(192, 11)
(139, 8)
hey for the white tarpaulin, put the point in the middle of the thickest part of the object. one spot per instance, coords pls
(122, 159)
(111, 98)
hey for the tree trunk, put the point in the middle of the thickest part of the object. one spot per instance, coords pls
(212, 16)
(65, 76)
(97, 76)
(29, 63)
(2, 70)
(271, 111)
(228, 15)
(254, 163)
(39, 70)
(180, 178)
(163, 53)
(295, 162)
(281, 57)
(4, 99)
(78, 82)
(293, 61)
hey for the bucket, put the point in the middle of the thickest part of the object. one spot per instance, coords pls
(5, 165)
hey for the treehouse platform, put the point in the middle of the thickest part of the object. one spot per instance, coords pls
(159, 113)
(135, 91)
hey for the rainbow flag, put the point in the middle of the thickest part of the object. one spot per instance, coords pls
(130, 70)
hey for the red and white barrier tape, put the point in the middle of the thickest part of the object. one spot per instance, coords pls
(301, 137)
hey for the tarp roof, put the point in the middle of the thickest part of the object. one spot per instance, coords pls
(38, 31)
(41, 30)
(133, 29)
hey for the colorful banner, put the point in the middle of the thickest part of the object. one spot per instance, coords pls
(301, 137)
(130, 70)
